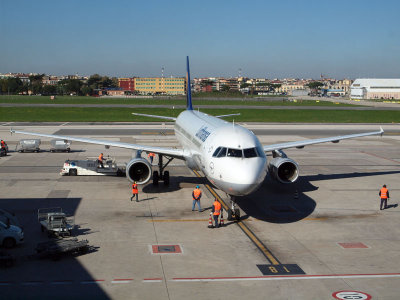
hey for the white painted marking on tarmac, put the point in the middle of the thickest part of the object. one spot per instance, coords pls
(286, 277)
(92, 281)
(122, 281)
(64, 124)
(5, 124)
(61, 282)
(32, 283)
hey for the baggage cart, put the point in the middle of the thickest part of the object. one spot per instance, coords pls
(56, 248)
(29, 145)
(60, 145)
(55, 222)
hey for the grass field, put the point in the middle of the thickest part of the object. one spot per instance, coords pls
(75, 114)
(172, 101)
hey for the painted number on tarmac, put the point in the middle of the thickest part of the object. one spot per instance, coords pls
(351, 295)
(280, 269)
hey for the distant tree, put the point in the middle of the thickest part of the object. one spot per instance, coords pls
(86, 90)
(225, 88)
(314, 86)
(105, 82)
(275, 86)
(245, 85)
(94, 81)
(205, 83)
(71, 86)
(114, 82)
(49, 89)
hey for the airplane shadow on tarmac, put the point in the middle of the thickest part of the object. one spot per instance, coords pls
(277, 203)
(43, 272)
(176, 183)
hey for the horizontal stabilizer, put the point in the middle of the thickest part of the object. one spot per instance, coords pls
(223, 116)
(154, 116)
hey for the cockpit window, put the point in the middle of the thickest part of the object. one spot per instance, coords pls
(220, 152)
(250, 152)
(235, 153)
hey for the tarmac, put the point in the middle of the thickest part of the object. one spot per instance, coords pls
(308, 240)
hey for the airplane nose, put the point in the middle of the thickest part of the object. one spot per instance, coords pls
(248, 178)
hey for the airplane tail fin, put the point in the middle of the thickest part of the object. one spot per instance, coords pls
(188, 88)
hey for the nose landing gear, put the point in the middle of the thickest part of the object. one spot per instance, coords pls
(234, 211)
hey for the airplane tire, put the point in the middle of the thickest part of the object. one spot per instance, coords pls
(73, 172)
(237, 213)
(230, 215)
(156, 178)
(166, 178)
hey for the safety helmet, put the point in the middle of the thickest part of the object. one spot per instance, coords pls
(197, 187)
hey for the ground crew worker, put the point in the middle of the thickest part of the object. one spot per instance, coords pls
(100, 160)
(196, 194)
(384, 193)
(135, 191)
(216, 209)
(151, 156)
(3, 146)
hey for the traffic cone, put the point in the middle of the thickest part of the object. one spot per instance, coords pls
(221, 222)
(210, 224)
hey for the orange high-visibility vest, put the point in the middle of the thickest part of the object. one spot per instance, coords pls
(151, 154)
(196, 194)
(101, 157)
(384, 193)
(217, 208)
(135, 189)
(3, 144)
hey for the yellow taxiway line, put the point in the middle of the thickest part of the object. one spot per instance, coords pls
(243, 226)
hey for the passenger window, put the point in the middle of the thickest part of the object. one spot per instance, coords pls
(235, 153)
(250, 152)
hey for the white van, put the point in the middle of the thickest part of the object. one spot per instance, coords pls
(10, 235)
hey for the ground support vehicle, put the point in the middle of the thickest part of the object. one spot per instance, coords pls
(60, 146)
(10, 235)
(90, 166)
(6, 260)
(8, 217)
(56, 248)
(55, 222)
(28, 145)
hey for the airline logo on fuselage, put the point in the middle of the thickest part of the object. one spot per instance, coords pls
(203, 133)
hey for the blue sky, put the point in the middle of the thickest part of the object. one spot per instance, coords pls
(262, 38)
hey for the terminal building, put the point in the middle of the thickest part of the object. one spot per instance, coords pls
(160, 85)
(374, 88)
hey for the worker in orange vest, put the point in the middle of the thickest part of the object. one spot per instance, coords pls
(216, 209)
(100, 160)
(384, 193)
(3, 146)
(135, 191)
(196, 194)
(151, 156)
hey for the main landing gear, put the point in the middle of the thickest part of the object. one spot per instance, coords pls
(234, 211)
(161, 174)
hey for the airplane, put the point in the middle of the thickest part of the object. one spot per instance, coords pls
(230, 156)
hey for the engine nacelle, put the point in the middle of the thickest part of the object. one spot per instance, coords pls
(285, 170)
(139, 170)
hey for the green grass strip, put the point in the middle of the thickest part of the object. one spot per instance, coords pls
(76, 114)
(166, 101)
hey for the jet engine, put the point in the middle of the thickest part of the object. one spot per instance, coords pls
(284, 169)
(139, 170)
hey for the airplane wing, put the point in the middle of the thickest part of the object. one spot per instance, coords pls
(302, 144)
(176, 153)
(155, 116)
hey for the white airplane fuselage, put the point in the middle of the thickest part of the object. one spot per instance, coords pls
(239, 170)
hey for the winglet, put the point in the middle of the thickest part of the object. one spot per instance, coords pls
(188, 88)
(382, 131)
